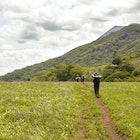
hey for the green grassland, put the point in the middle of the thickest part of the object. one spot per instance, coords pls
(67, 110)
(123, 102)
(49, 111)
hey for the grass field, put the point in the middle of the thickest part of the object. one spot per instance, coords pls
(123, 103)
(49, 111)
(67, 110)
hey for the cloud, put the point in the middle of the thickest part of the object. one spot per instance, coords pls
(114, 12)
(135, 7)
(29, 32)
(33, 31)
(51, 26)
(89, 2)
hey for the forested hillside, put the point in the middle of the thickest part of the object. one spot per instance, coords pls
(124, 43)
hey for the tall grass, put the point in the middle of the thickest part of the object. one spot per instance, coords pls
(123, 102)
(49, 111)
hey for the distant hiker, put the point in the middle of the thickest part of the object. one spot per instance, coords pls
(77, 78)
(82, 78)
(96, 81)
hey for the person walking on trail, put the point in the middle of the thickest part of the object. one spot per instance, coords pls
(77, 78)
(96, 81)
(82, 78)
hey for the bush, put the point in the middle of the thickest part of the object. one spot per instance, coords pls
(136, 72)
(118, 76)
(60, 72)
(127, 67)
(108, 70)
(116, 61)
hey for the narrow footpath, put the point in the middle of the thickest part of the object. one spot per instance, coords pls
(107, 122)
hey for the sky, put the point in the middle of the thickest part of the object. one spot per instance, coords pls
(33, 31)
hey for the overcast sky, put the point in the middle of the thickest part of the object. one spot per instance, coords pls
(32, 31)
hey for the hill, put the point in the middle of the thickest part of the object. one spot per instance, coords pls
(114, 29)
(125, 42)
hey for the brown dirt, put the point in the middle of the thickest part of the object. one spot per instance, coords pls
(107, 122)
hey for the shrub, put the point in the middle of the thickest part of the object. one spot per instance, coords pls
(118, 76)
(136, 72)
(108, 70)
(116, 61)
(127, 67)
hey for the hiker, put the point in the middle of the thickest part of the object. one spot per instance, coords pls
(82, 78)
(77, 78)
(96, 81)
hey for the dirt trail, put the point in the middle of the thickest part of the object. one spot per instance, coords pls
(107, 122)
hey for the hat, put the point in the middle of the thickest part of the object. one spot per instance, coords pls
(96, 75)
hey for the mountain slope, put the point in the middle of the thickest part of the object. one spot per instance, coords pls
(125, 42)
(114, 29)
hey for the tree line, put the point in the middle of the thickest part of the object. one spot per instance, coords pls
(118, 71)
(60, 72)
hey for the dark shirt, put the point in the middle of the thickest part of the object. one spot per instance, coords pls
(96, 81)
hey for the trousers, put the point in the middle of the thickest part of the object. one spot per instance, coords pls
(96, 90)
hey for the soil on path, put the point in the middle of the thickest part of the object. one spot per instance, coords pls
(107, 122)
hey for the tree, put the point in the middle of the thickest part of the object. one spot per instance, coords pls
(40, 76)
(61, 72)
(118, 76)
(76, 70)
(116, 61)
(136, 72)
(108, 70)
(127, 67)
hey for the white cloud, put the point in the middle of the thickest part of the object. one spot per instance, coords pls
(33, 31)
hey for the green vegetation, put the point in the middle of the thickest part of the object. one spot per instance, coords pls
(60, 72)
(122, 72)
(123, 103)
(124, 43)
(48, 110)
(67, 110)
